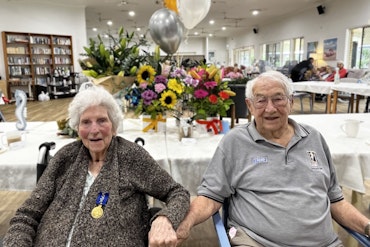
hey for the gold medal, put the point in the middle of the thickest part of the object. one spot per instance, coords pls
(97, 212)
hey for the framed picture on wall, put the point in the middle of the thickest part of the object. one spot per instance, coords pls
(311, 48)
(330, 49)
(211, 56)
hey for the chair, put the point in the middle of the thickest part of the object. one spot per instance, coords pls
(350, 97)
(44, 157)
(220, 227)
(301, 96)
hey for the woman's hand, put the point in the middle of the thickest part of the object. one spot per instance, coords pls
(161, 233)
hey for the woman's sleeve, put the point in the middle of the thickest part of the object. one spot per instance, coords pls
(156, 182)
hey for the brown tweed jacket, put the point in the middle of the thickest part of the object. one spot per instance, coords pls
(129, 173)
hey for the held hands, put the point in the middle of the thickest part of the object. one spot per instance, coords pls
(162, 233)
(183, 232)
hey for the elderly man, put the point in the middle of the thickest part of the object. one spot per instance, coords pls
(278, 176)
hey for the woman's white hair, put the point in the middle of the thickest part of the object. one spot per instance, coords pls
(271, 75)
(94, 96)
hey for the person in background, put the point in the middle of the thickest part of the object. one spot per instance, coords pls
(94, 190)
(342, 72)
(278, 176)
(299, 70)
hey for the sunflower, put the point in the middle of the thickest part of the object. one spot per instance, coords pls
(168, 99)
(146, 73)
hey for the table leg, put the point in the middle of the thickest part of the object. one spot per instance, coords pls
(328, 103)
(232, 113)
(351, 102)
(313, 95)
(335, 101)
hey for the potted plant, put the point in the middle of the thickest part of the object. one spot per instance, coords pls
(113, 66)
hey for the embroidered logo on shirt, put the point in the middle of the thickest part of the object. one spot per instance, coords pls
(313, 158)
(259, 160)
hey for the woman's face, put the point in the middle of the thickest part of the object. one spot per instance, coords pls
(96, 130)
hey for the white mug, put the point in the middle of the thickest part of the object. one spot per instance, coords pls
(12, 139)
(351, 127)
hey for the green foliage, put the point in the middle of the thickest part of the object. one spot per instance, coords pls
(121, 58)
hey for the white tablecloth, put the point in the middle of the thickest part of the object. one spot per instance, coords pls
(320, 87)
(353, 88)
(186, 162)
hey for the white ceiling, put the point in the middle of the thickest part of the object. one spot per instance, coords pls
(234, 14)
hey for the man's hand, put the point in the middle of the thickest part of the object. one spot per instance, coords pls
(162, 233)
(183, 232)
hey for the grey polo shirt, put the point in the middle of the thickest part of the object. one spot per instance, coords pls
(279, 195)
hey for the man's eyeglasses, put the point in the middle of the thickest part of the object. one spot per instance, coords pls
(277, 100)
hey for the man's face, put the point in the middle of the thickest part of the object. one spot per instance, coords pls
(270, 106)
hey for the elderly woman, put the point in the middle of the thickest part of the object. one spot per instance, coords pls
(93, 192)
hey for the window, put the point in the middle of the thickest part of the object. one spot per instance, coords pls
(298, 49)
(244, 56)
(359, 52)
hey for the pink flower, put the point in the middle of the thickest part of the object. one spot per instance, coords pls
(210, 84)
(159, 87)
(143, 85)
(200, 94)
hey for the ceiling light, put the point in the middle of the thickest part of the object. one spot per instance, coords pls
(255, 12)
(131, 13)
(223, 28)
(109, 23)
(210, 35)
(196, 33)
(211, 22)
(138, 29)
(94, 29)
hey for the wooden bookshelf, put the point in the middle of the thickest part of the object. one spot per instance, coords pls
(31, 60)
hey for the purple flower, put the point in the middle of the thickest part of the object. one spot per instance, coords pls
(160, 79)
(159, 87)
(147, 102)
(189, 81)
(148, 96)
(178, 73)
(200, 93)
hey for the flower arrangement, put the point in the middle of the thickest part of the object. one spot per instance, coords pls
(209, 96)
(121, 58)
(113, 66)
(158, 92)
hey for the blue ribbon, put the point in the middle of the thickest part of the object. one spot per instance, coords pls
(100, 200)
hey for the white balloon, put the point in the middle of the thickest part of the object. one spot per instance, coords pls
(192, 12)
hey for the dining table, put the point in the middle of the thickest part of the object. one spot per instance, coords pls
(315, 87)
(353, 88)
(332, 91)
(186, 159)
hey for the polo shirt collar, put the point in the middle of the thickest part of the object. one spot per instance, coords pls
(299, 130)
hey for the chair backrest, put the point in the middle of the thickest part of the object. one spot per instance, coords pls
(44, 157)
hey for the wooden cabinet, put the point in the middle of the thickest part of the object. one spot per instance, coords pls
(32, 59)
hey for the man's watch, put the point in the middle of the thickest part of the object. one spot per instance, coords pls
(367, 230)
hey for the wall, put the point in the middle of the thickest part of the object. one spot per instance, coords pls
(340, 15)
(53, 19)
(22, 16)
